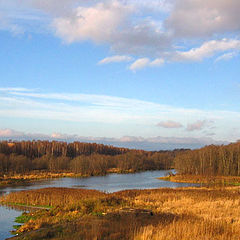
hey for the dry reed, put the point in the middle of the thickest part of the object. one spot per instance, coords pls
(178, 214)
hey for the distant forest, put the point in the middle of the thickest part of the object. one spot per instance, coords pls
(97, 159)
(82, 158)
(210, 161)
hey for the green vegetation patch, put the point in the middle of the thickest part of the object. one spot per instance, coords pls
(23, 218)
(235, 183)
(16, 227)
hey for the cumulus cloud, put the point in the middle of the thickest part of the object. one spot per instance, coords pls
(115, 59)
(113, 22)
(97, 23)
(144, 29)
(110, 22)
(169, 124)
(197, 18)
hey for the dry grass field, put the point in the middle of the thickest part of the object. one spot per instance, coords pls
(199, 214)
(206, 180)
(176, 214)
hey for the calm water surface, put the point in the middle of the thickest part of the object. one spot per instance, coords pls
(109, 183)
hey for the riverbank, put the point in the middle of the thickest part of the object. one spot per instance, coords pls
(12, 180)
(19, 179)
(131, 214)
(205, 180)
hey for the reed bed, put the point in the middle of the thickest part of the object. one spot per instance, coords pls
(189, 230)
(178, 214)
(210, 180)
(202, 214)
(51, 196)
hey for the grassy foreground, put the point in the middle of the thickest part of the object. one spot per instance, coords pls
(160, 214)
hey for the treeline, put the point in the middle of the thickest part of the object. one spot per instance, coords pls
(210, 161)
(36, 149)
(83, 158)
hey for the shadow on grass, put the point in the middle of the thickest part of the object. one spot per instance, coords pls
(113, 226)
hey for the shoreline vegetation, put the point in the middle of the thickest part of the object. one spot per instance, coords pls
(18, 179)
(203, 180)
(158, 214)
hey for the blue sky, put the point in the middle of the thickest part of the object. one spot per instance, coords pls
(151, 74)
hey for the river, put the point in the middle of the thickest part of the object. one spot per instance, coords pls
(108, 183)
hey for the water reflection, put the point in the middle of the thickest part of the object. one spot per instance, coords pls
(7, 217)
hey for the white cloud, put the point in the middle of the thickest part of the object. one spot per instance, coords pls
(9, 133)
(39, 99)
(139, 64)
(145, 62)
(111, 22)
(53, 7)
(98, 108)
(16, 90)
(7, 25)
(61, 136)
(116, 114)
(169, 124)
(153, 5)
(198, 125)
(98, 23)
(207, 49)
(199, 18)
(157, 62)
(151, 143)
(227, 56)
(19, 135)
(115, 59)
(145, 29)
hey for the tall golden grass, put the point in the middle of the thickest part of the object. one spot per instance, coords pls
(178, 214)
(201, 214)
(205, 179)
(51, 196)
(189, 230)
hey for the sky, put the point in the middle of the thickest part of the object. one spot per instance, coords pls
(156, 74)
